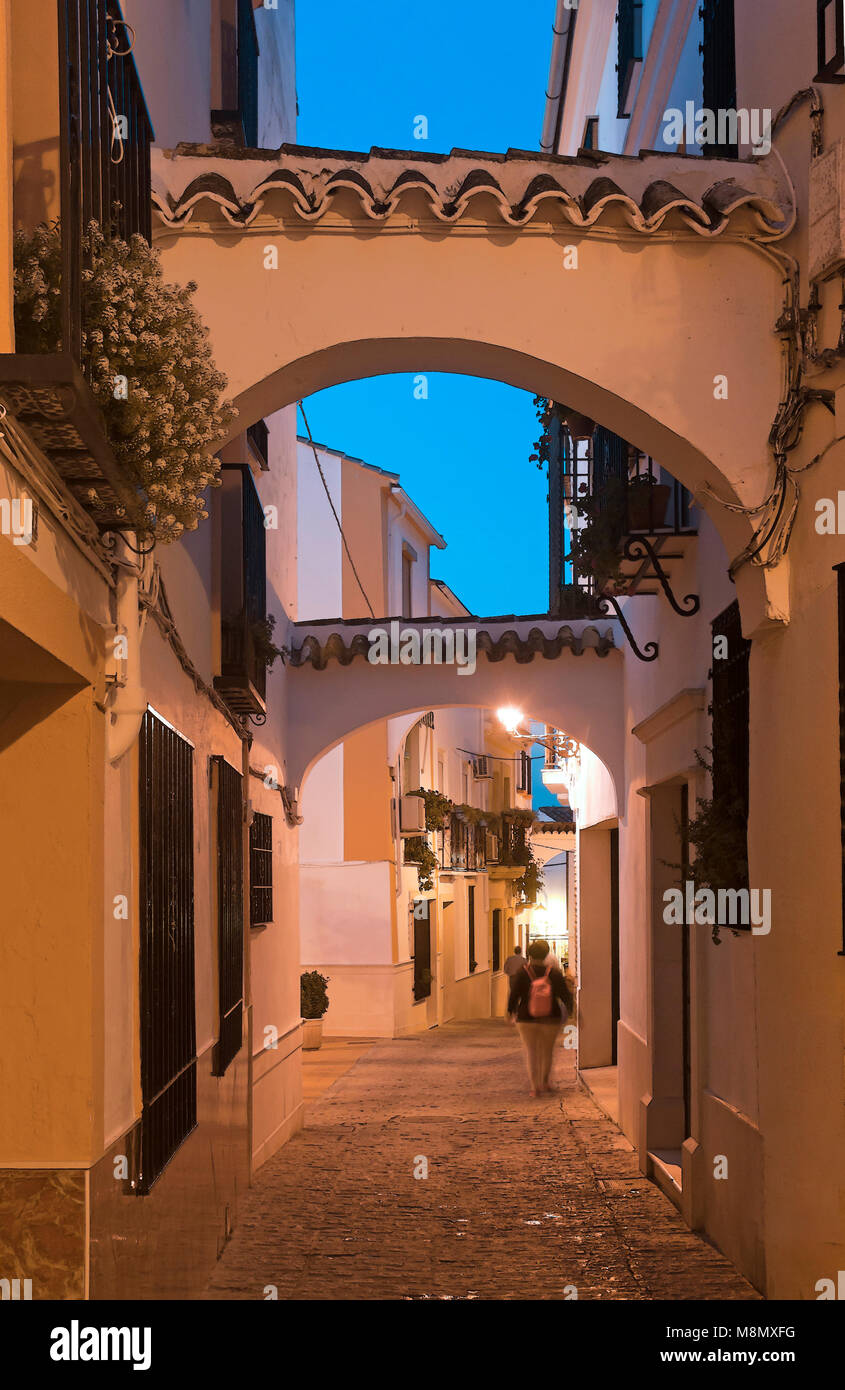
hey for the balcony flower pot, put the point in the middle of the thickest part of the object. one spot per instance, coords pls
(648, 503)
(313, 1004)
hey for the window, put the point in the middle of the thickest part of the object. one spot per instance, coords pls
(258, 437)
(473, 963)
(524, 772)
(260, 870)
(422, 949)
(235, 81)
(409, 555)
(168, 1024)
(497, 938)
(830, 19)
(629, 20)
(243, 677)
(719, 68)
(730, 711)
(230, 913)
(591, 134)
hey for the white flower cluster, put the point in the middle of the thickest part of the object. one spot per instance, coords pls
(165, 426)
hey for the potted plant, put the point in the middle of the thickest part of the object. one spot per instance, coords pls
(147, 357)
(313, 1003)
(595, 545)
(648, 501)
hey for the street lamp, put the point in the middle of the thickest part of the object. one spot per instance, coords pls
(561, 745)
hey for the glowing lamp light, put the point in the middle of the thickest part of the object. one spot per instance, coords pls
(510, 717)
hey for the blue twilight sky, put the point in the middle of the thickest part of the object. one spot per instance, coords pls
(478, 73)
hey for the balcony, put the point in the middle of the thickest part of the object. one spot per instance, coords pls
(243, 675)
(97, 122)
(514, 850)
(622, 495)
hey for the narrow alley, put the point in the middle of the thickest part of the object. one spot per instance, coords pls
(523, 1200)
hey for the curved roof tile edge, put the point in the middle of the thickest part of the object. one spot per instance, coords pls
(312, 191)
(523, 649)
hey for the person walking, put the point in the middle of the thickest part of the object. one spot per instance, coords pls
(514, 962)
(539, 1003)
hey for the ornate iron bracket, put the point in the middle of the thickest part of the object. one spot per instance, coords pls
(691, 602)
(608, 603)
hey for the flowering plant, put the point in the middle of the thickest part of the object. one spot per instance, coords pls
(146, 355)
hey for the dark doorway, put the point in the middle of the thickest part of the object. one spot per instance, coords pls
(422, 949)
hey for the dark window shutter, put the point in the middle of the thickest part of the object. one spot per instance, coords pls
(230, 914)
(168, 1021)
(260, 870)
(719, 67)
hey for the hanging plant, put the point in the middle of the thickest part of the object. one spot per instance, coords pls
(438, 808)
(266, 650)
(718, 833)
(595, 546)
(146, 355)
(530, 881)
(418, 851)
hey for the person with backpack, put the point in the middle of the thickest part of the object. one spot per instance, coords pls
(540, 1002)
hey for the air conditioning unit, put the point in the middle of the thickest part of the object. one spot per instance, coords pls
(491, 848)
(481, 767)
(412, 815)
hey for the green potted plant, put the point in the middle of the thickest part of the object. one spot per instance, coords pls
(313, 1004)
(648, 501)
(595, 547)
(265, 648)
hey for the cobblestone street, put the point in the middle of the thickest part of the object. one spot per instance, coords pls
(524, 1198)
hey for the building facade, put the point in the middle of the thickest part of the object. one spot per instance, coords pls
(150, 1010)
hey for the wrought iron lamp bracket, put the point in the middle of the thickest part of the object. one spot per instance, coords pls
(640, 548)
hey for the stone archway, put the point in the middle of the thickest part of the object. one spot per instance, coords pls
(569, 676)
(624, 287)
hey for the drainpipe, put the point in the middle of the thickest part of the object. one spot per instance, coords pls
(126, 700)
(563, 30)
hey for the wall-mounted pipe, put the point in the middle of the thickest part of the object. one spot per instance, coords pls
(127, 700)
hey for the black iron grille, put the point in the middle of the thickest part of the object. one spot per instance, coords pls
(230, 913)
(719, 67)
(260, 870)
(106, 139)
(168, 1028)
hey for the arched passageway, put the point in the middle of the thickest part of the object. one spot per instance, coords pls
(569, 676)
(602, 282)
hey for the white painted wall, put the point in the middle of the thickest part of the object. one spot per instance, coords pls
(318, 545)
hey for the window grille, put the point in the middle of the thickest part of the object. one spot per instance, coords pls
(730, 729)
(168, 1024)
(830, 23)
(719, 68)
(230, 913)
(473, 963)
(261, 870)
(630, 35)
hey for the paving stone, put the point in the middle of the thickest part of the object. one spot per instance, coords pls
(524, 1198)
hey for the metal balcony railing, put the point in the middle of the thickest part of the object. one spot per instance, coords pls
(106, 136)
(631, 491)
